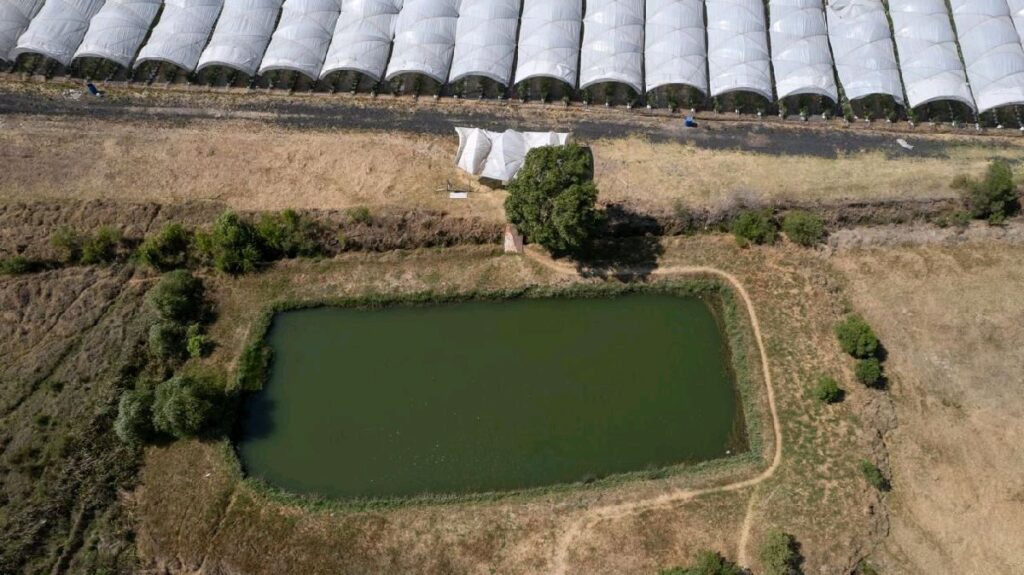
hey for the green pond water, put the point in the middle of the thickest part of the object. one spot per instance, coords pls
(489, 395)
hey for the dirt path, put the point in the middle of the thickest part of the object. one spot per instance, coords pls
(610, 512)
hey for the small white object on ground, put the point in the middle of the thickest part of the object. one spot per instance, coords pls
(458, 195)
(904, 144)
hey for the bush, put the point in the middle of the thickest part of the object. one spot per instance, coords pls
(197, 344)
(552, 199)
(994, 197)
(168, 249)
(287, 235)
(68, 244)
(803, 228)
(179, 410)
(252, 367)
(360, 215)
(754, 227)
(869, 371)
(779, 554)
(17, 265)
(856, 337)
(179, 298)
(873, 475)
(233, 246)
(167, 340)
(101, 247)
(707, 563)
(134, 423)
(827, 390)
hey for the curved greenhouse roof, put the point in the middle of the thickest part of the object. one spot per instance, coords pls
(931, 65)
(485, 39)
(800, 49)
(302, 37)
(549, 40)
(613, 43)
(118, 29)
(1017, 13)
(862, 46)
(241, 35)
(992, 52)
(362, 37)
(675, 50)
(738, 47)
(15, 16)
(424, 39)
(181, 32)
(58, 29)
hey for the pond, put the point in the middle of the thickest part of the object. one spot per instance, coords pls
(489, 395)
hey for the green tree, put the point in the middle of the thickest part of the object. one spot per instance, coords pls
(168, 249)
(287, 235)
(754, 227)
(179, 409)
(856, 337)
(198, 345)
(233, 245)
(102, 246)
(779, 554)
(994, 197)
(869, 371)
(827, 390)
(179, 298)
(552, 199)
(166, 340)
(134, 423)
(803, 228)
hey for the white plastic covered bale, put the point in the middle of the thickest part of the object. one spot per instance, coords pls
(58, 29)
(424, 39)
(863, 49)
(675, 50)
(992, 52)
(485, 39)
(474, 147)
(500, 155)
(928, 55)
(613, 43)
(15, 16)
(241, 35)
(800, 51)
(302, 37)
(362, 37)
(549, 40)
(181, 32)
(738, 56)
(118, 29)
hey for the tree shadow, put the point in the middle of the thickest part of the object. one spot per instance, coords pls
(626, 246)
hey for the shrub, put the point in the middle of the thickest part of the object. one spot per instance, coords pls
(252, 367)
(287, 235)
(17, 265)
(707, 563)
(167, 250)
(873, 475)
(179, 410)
(233, 246)
(869, 371)
(856, 337)
(197, 344)
(102, 246)
(68, 244)
(179, 298)
(360, 215)
(827, 390)
(803, 228)
(779, 553)
(134, 423)
(754, 227)
(552, 199)
(167, 340)
(994, 197)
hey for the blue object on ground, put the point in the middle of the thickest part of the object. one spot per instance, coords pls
(689, 122)
(93, 90)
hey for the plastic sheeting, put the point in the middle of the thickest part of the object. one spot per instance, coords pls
(549, 40)
(613, 43)
(931, 65)
(424, 39)
(675, 51)
(302, 37)
(992, 52)
(58, 29)
(499, 155)
(474, 147)
(181, 33)
(862, 46)
(1017, 13)
(14, 18)
(485, 39)
(800, 50)
(118, 29)
(242, 34)
(738, 47)
(362, 37)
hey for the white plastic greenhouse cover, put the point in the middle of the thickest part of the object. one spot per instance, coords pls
(302, 36)
(862, 46)
(1017, 13)
(362, 37)
(499, 155)
(474, 146)
(549, 40)
(613, 43)
(241, 35)
(675, 51)
(738, 47)
(14, 18)
(424, 39)
(800, 50)
(931, 65)
(58, 29)
(485, 39)
(181, 32)
(118, 29)
(992, 52)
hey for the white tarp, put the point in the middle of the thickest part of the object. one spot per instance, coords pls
(549, 40)
(992, 52)
(485, 39)
(118, 29)
(302, 36)
(424, 39)
(14, 18)
(181, 32)
(1017, 13)
(738, 47)
(800, 51)
(474, 146)
(613, 43)
(362, 37)
(58, 29)
(241, 35)
(929, 60)
(675, 51)
(499, 155)
(862, 46)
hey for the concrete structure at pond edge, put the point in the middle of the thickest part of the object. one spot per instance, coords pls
(513, 240)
